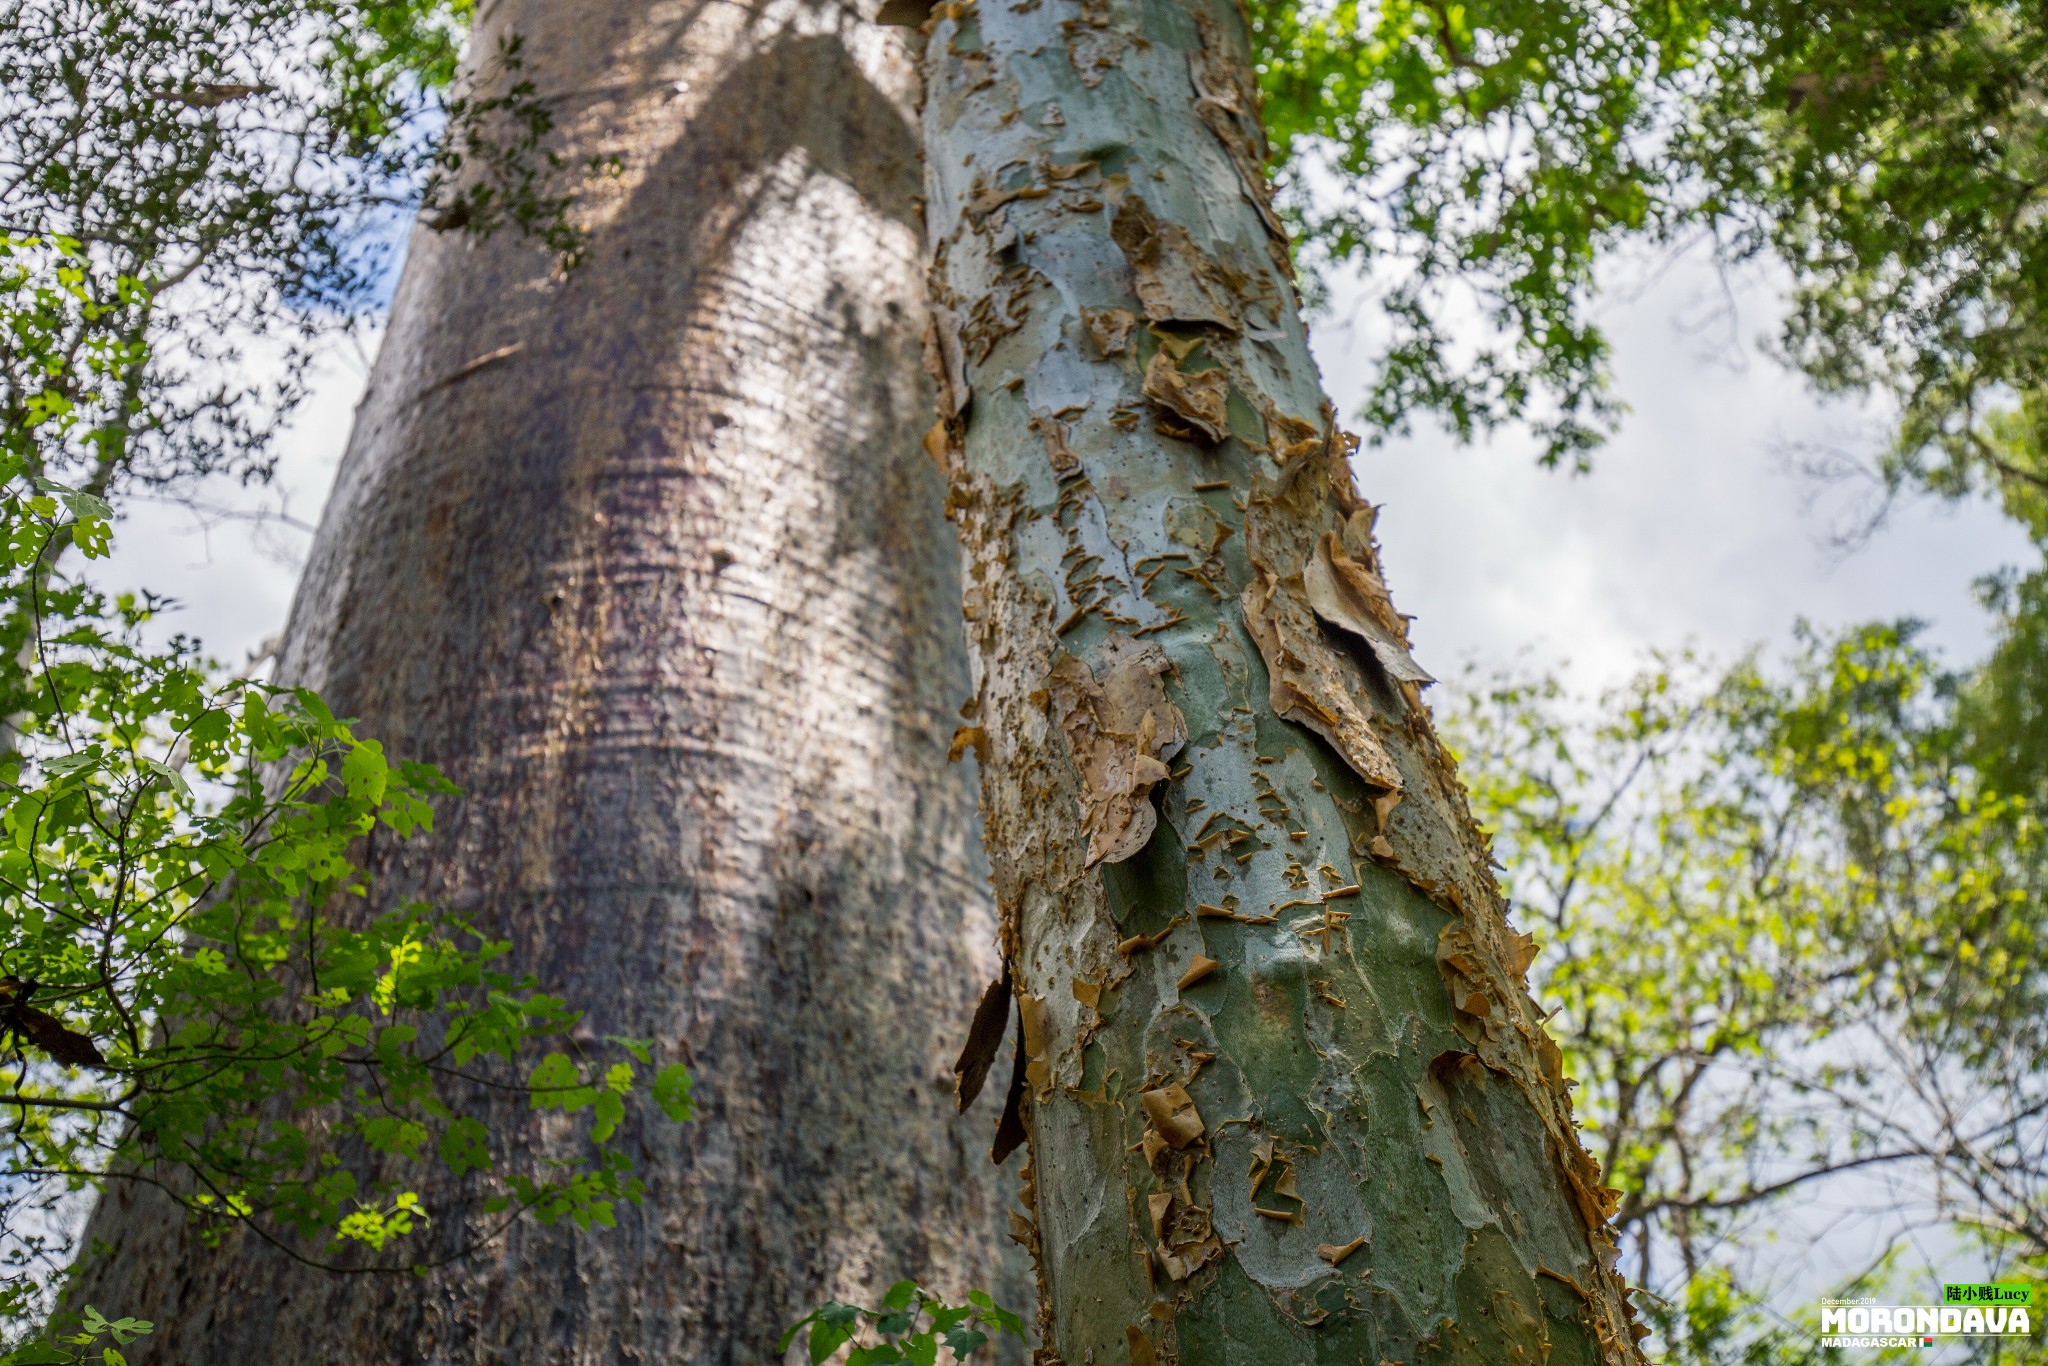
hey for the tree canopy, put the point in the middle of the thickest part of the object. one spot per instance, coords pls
(1887, 157)
(1792, 934)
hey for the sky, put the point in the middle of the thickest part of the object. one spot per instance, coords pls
(1696, 526)
(1693, 528)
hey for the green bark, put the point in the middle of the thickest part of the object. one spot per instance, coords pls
(1287, 1096)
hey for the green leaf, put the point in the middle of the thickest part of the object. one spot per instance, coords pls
(390, 1134)
(827, 1337)
(641, 1049)
(1005, 1320)
(85, 506)
(554, 1076)
(610, 1109)
(169, 774)
(672, 1092)
(789, 1336)
(37, 1354)
(465, 1146)
(364, 772)
(964, 1341)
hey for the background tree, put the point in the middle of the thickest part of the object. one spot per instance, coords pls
(1794, 936)
(606, 549)
(183, 977)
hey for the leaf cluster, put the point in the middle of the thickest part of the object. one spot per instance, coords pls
(909, 1326)
(196, 991)
(80, 1342)
(1478, 159)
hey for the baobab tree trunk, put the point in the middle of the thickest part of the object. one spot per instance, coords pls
(1288, 1099)
(650, 561)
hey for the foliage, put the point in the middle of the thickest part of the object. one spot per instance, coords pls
(2005, 703)
(197, 995)
(1791, 935)
(228, 171)
(78, 1341)
(1487, 154)
(1891, 157)
(909, 1326)
(1470, 156)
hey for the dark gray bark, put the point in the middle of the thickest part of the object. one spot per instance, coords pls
(649, 560)
(1288, 1097)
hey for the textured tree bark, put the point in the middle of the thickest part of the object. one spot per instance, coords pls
(1288, 1097)
(650, 561)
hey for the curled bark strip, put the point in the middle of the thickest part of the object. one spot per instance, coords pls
(1057, 447)
(1198, 400)
(1172, 1112)
(1032, 1031)
(1346, 593)
(1463, 972)
(1335, 1253)
(1309, 681)
(945, 360)
(1177, 281)
(1186, 1241)
(984, 1038)
(1093, 45)
(1199, 970)
(968, 740)
(1120, 728)
(1010, 1132)
(1109, 329)
(1292, 438)
(989, 200)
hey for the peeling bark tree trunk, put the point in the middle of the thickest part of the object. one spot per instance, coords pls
(607, 549)
(1288, 1097)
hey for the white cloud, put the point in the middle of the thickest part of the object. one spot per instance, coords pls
(1692, 528)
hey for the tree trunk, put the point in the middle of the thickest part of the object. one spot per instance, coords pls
(650, 561)
(1288, 1097)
